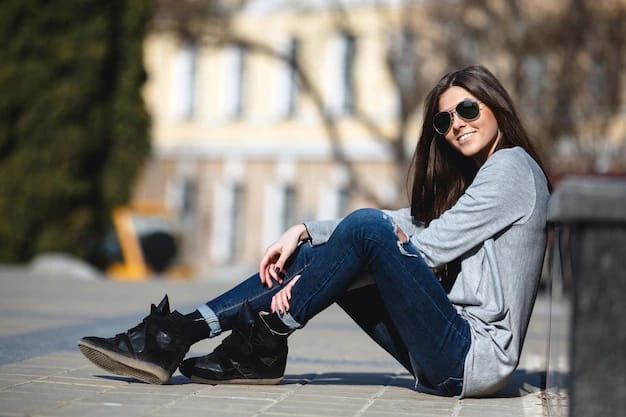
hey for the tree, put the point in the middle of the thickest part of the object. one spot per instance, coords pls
(562, 61)
(73, 127)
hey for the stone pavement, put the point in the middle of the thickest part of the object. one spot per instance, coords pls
(333, 369)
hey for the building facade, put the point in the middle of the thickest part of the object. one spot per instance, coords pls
(240, 149)
(245, 144)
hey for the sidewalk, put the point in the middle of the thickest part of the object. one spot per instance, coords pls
(333, 368)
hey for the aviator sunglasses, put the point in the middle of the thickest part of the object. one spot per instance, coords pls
(468, 110)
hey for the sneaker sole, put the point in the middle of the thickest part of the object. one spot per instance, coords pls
(122, 365)
(265, 381)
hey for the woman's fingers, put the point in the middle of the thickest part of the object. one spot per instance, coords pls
(263, 275)
(273, 308)
(267, 266)
(263, 271)
(280, 301)
(277, 273)
(280, 304)
(272, 266)
(283, 302)
(279, 267)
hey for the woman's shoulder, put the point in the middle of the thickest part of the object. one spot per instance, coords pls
(514, 168)
(512, 161)
(513, 156)
(504, 163)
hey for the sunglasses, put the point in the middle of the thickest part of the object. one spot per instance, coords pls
(468, 110)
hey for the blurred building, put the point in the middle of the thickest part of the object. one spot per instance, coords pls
(243, 147)
(240, 150)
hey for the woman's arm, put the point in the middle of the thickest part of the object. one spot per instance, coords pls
(502, 194)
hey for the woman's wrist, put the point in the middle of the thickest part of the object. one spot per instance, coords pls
(304, 233)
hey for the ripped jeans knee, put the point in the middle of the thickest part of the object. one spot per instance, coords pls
(408, 249)
(404, 243)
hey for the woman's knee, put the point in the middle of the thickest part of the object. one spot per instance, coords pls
(366, 214)
(375, 219)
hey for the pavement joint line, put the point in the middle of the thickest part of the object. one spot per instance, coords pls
(456, 410)
(371, 401)
(174, 401)
(531, 399)
(277, 401)
(30, 381)
(44, 381)
(43, 378)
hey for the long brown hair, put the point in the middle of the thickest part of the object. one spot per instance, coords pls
(441, 174)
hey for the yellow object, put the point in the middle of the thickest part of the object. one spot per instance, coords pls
(130, 224)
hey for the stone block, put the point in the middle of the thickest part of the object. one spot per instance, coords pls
(589, 217)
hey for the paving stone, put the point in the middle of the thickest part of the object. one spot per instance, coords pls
(12, 402)
(354, 378)
(192, 412)
(410, 407)
(97, 409)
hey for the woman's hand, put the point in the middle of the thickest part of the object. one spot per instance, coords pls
(280, 301)
(273, 263)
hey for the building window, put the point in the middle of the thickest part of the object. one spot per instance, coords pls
(334, 201)
(233, 86)
(188, 198)
(402, 58)
(293, 89)
(237, 219)
(349, 55)
(340, 85)
(287, 83)
(533, 74)
(289, 207)
(184, 80)
(598, 86)
(228, 222)
(343, 201)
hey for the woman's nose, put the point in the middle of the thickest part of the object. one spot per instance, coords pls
(457, 122)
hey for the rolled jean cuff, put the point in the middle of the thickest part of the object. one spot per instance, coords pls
(211, 320)
(289, 321)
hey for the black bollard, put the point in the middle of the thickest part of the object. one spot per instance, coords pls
(588, 218)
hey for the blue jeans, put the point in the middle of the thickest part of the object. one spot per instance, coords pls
(405, 309)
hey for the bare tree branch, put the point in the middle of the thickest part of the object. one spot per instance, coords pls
(565, 68)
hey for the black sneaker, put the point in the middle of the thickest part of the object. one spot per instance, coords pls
(251, 354)
(150, 351)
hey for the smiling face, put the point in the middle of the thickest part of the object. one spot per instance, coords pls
(475, 139)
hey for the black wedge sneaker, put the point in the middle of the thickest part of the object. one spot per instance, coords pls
(150, 351)
(251, 354)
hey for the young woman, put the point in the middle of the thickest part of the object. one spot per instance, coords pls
(453, 278)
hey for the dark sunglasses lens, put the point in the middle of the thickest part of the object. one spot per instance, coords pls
(468, 109)
(441, 122)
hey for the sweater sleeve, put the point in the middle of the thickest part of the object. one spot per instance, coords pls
(320, 230)
(500, 196)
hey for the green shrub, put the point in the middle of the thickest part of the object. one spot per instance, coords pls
(73, 125)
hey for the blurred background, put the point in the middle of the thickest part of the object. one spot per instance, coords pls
(175, 137)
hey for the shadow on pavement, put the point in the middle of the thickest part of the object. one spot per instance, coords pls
(522, 382)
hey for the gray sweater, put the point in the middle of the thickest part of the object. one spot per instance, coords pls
(497, 230)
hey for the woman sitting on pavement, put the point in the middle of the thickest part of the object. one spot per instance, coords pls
(453, 278)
